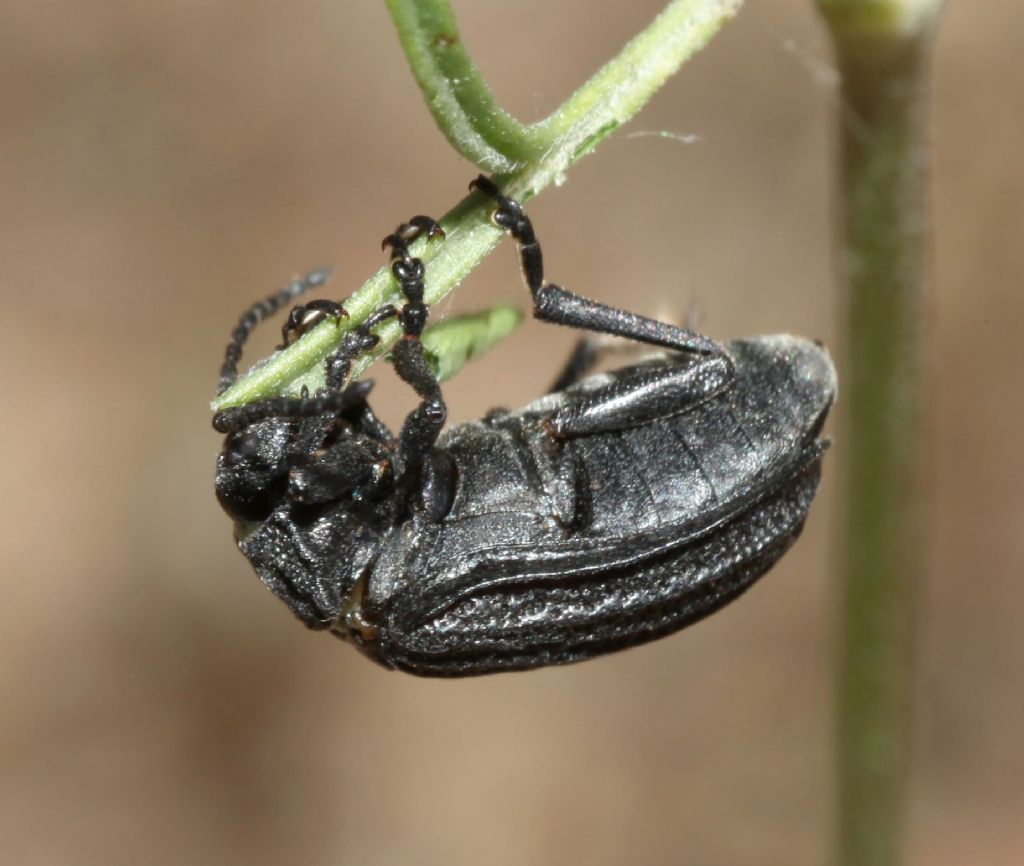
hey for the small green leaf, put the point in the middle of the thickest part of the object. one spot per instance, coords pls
(456, 341)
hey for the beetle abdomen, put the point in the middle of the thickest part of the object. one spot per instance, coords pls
(572, 618)
(655, 525)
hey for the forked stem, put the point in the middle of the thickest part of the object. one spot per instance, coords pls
(534, 156)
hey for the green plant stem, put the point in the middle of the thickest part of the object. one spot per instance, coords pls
(540, 155)
(454, 89)
(883, 55)
(883, 18)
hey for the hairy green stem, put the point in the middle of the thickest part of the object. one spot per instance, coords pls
(454, 90)
(883, 53)
(537, 156)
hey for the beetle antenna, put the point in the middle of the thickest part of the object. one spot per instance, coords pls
(255, 314)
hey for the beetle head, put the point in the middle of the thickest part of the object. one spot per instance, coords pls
(252, 469)
(311, 499)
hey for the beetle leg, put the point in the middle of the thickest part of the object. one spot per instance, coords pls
(255, 314)
(368, 423)
(400, 238)
(423, 425)
(339, 365)
(355, 343)
(641, 395)
(554, 304)
(306, 316)
(333, 403)
(584, 357)
(581, 361)
(332, 399)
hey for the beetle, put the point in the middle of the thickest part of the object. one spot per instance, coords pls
(617, 508)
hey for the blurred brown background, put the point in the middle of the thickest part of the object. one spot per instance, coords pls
(162, 165)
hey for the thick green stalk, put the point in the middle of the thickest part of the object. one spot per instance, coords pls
(608, 100)
(883, 53)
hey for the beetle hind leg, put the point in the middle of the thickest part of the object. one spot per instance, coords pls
(552, 303)
(640, 395)
(585, 356)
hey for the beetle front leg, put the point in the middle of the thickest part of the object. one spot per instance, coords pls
(335, 403)
(332, 399)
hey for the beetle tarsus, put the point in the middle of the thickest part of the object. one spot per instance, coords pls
(583, 358)
(305, 317)
(406, 233)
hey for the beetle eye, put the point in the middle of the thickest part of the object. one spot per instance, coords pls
(261, 446)
(251, 471)
(242, 446)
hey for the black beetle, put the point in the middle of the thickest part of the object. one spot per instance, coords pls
(616, 509)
